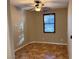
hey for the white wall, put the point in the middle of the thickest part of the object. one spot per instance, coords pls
(10, 50)
(70, 28)
(34, 27)
(10, 41)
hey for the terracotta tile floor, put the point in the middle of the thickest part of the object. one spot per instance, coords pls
(42, 51)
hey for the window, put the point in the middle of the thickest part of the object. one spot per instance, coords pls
(49, 23)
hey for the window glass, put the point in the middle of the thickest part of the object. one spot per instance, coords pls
(49, 23)
(49, 27)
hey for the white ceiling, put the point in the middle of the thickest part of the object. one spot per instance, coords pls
(47, 3)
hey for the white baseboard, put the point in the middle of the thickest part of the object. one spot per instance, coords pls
(39, 42)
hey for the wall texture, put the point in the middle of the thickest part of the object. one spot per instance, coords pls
(15, 14)
(70, 28)
(10, 41)
(34, 27)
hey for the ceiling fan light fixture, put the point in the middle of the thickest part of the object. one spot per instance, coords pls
(37, 8)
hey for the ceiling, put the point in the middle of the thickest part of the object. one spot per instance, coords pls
(47, 3)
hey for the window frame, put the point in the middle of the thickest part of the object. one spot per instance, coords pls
(52, 23)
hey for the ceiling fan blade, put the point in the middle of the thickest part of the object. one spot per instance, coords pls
(28, 8)
(25, 6)
(56, 4)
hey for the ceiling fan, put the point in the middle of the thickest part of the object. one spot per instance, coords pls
(38, 5)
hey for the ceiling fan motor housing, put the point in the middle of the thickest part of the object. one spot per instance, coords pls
(38, 3)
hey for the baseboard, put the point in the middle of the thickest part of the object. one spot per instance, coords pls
(39, 42)
(22, 46)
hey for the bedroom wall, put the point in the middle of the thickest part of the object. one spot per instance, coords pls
(10, 41)
(15, 15)
(34, 27)
(70, 28)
